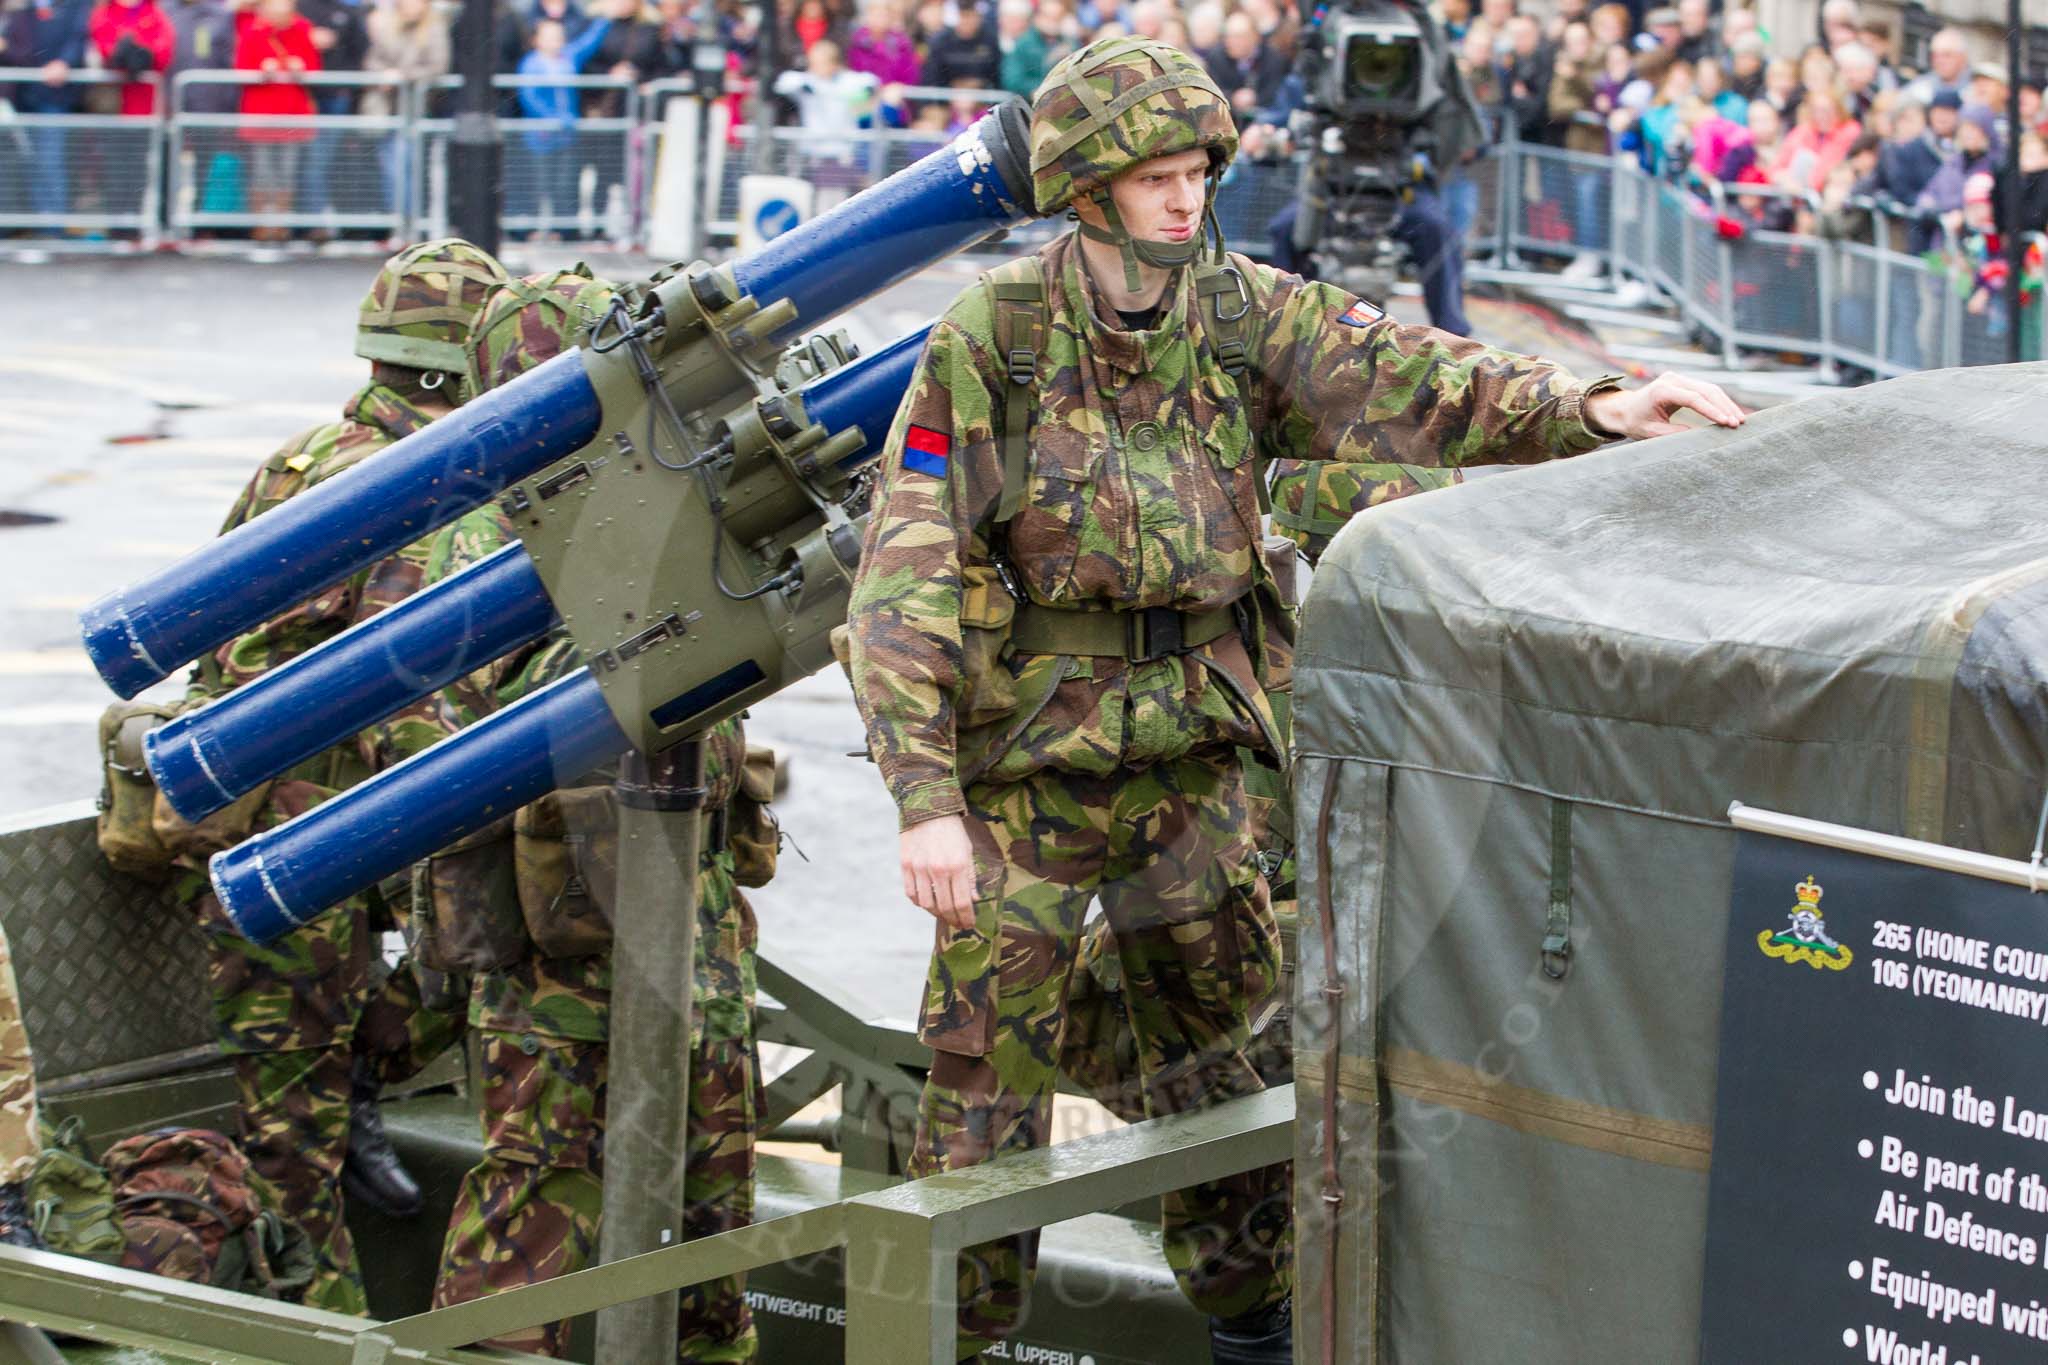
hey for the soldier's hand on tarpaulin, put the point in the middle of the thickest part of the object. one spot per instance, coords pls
(1647, 411)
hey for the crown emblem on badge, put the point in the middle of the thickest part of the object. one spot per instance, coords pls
(1805, 937)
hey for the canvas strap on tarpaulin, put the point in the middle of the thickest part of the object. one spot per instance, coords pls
(1557, 922)
(1595, 1127)
(1358, 1003)
(1925, 800)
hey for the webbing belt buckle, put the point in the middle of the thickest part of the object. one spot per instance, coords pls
(1023, 366)
(1154, 633)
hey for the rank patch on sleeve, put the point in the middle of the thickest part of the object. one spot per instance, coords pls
(1360, 314)
(926, 451)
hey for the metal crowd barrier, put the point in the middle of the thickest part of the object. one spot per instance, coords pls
(78, 179)
(84, 178)
(332, 169)
(577, 177)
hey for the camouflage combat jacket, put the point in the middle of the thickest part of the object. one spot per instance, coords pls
(1141, 493)
(373, 419)
(570, 997)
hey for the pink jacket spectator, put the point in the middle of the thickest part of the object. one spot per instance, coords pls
(1823, 152)
(1713, 138)
(890, 58)
(147, 24)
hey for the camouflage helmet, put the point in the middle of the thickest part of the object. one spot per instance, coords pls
(418, 312)
(531, 320)
(1116, 103)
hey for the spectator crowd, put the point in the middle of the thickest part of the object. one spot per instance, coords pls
(1787, 131)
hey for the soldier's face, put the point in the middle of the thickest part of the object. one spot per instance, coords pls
(1161, 199)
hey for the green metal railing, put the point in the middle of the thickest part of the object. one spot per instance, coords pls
(900, 1247)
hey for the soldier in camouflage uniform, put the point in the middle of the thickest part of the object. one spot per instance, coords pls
(531, 1209)
(312, 1030)
(1312, 500)
(1061, 632)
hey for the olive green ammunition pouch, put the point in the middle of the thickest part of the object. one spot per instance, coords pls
(987, 615)
(566, 846)
(465, 905)
(127, 831)
(752, 834)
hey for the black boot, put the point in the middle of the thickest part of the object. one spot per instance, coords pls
(1262, 1338)
(371, 1172)
(17, 1227)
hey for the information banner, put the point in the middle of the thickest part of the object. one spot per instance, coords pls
(1880, 1179)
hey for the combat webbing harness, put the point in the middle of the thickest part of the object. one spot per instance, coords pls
(1019, 309)
(1018, 306)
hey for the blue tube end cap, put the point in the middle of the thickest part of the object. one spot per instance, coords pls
(181, 771)
(116, 653)
(248, 896)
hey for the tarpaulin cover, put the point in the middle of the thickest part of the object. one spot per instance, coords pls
(1523, 707)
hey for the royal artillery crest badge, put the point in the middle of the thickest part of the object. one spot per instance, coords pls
(1806, 939)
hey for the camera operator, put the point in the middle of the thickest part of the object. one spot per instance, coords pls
(1305, 114)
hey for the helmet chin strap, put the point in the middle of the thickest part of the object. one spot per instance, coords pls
(1136, 250)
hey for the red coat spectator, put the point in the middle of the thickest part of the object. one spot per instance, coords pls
(136, 39)
(274, 38)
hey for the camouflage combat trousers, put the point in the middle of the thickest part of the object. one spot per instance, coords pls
(293, 1018)
(20, 1141)
(530, 1211)
(1165, 848)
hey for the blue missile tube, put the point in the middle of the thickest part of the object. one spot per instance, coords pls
(138, 634)
(282, 878)
(204, 759)
(975, 185)
(865, 395)
(956, 196)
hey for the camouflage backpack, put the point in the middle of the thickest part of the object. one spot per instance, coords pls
(192, 1209)
(70, 1200)
(532, 319)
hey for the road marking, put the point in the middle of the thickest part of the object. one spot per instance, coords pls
(100, 378)
(32, 663)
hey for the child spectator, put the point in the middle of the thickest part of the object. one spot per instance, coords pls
(553, 146)
(831, 101)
